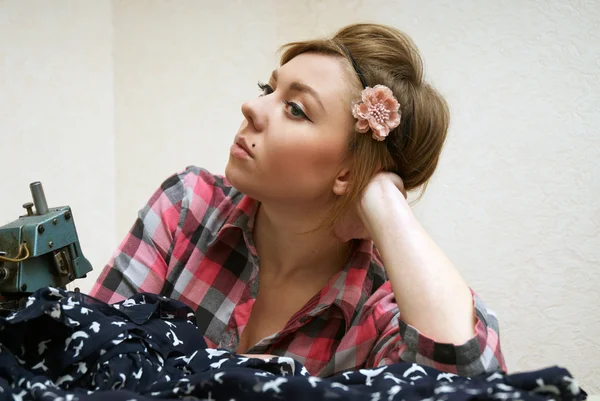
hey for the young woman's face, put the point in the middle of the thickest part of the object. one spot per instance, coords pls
(292, 143)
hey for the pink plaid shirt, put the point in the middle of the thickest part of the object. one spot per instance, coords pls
(193, 242)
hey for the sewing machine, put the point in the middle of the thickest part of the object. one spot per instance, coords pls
(39, 249)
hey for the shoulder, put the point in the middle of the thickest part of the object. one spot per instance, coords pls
(194, 185)
(195, 194)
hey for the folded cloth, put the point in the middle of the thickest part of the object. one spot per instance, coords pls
(69, 346)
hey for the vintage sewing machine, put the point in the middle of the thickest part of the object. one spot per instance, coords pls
(37, 250)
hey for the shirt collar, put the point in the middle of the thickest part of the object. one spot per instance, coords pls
(242, 218)
(348, 289)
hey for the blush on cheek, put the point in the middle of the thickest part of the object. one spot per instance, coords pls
(309, 156)
(309, 172)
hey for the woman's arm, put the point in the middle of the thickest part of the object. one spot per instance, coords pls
(399, 342)
(430, 293)
(433, 317)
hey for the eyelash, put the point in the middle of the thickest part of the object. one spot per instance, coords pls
(265, 88)
(268, 89)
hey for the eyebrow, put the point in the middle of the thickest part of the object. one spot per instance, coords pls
(300, 87)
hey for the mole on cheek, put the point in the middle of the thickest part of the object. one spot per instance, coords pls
(253, 145)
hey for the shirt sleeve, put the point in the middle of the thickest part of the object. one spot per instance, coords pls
(141, 261)
(401, 342)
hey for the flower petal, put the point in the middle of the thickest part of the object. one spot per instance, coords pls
(378, 135)
(373, 122)
(391, 104)
(394, 120)
(355, 112)
(383, 92)
(363, 111)
(367, 95)
(379, 131)
(362, 126)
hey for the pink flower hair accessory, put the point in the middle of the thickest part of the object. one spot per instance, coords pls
(378, 111)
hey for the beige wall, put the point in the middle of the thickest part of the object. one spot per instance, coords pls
(57, 114)
(102, 100)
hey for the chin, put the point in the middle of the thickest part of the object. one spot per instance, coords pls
(230, 172)
(239, 178)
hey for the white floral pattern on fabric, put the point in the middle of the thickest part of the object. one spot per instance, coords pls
(133, 353)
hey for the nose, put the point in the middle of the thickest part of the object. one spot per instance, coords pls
(254, 114)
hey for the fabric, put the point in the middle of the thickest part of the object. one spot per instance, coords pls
(193, 242)
(69, 346)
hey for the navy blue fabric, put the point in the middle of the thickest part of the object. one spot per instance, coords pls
(70, 346)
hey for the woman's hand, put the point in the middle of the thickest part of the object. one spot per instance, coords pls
(385, 190)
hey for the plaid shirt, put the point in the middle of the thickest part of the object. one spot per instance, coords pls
(193, 242)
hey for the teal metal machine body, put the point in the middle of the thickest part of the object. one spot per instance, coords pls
(53, 256)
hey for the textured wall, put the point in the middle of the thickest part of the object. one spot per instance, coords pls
(56, 114)
(512, 203)
(515, 203)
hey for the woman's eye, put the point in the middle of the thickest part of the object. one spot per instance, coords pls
(265, 88)
(295, 110)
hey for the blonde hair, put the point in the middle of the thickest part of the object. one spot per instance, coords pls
(389, 57)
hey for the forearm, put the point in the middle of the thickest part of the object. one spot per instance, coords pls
(430, 293)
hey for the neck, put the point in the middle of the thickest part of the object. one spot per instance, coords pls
(291, 244)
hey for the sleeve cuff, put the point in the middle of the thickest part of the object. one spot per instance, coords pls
(480, 352)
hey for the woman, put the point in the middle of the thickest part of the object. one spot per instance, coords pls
(308, 248)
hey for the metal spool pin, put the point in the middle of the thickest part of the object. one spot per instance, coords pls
(39, 198)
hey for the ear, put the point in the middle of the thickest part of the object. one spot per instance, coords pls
(340, 185)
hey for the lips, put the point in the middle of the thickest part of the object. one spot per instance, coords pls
(241, 150)
(241, 142)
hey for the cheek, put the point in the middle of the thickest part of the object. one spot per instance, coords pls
(302, 170)
(306, 155)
